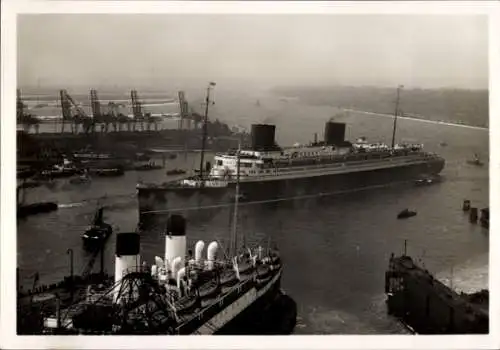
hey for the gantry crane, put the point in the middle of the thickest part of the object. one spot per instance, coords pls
(136, 109)
(79, 118)
(140, 115)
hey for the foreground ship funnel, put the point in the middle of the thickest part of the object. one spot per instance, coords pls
(175, 241)
(127, 256)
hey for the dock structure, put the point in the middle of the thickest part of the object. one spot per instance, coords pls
(428, 306)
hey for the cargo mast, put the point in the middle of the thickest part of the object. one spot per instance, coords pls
(205, 122)
(396, 115)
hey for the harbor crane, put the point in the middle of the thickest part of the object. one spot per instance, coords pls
(79, 118)
(140, 115)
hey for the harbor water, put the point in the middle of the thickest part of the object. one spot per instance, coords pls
(335, 249)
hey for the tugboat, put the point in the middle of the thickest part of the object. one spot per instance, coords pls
(98, 231)
(67, 169)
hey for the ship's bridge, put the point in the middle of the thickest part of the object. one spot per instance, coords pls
(226, 164)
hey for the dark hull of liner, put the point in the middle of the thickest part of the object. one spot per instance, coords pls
(162, 201)
(277, 315)
(272, 313)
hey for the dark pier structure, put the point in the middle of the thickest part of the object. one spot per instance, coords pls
(428, 306)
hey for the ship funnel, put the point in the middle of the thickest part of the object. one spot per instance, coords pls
(198, 251)
(334, 133)
(263, 137)
(212, 254)
(127, 256)
(175, 239)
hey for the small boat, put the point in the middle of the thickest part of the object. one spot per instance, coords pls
(443, 144)
(108, 172)
(98, 230)
(176, 172)
(147, 166)
(476, 161)
(24, 210)
(82, 156)
(58, 172)
(405, 213)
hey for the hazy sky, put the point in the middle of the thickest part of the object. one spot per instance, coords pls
(267, 50)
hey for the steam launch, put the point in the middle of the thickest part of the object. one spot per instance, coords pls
(270, 172)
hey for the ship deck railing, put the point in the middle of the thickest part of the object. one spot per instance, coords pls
(237, 288)
(311, 169)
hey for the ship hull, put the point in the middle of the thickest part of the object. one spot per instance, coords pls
(158, 202)
(248, 312)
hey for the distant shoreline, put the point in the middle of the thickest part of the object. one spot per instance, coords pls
(422, 119)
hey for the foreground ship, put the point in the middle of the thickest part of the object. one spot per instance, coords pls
(180, 294)
(269, 172)
(428, 306)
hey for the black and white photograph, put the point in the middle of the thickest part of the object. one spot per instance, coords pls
(223, 169)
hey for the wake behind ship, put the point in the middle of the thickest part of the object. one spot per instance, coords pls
(269, 172)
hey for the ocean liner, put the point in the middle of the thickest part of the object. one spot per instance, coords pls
(270, 172)
(182, 293)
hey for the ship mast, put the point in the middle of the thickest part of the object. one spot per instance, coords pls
(236, 201)
(204, 135)
(396, 115)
